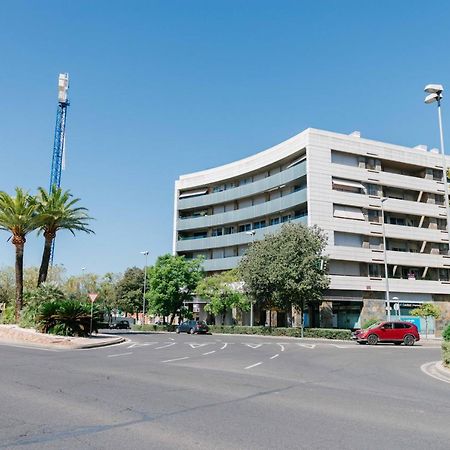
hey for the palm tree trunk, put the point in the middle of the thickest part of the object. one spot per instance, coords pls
(19, 243)
(43, 270)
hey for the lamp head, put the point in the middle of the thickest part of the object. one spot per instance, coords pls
(434, 88)
(144, 253)
(431, 98)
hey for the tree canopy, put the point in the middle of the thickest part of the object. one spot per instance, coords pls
(221, 291)
(287, 268)
(173, 280)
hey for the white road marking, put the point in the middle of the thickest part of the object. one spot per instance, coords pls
(253, 345)
(197, 345)
(282, 347)
(253, 365)
(430, 369)
(208, 353)
(132, 345)
(307, 345)
(223, 346)
(120, 354)
(165, 346)
(275, 356)
(176, 359)
(344, 346)
(171, 339)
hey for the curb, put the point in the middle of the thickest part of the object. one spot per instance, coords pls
(89, 345)
(436, 370)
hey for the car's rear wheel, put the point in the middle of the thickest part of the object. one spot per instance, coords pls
(409, 339)
(372, 339)
(191, 331)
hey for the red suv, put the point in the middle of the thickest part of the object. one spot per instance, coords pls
(395, 332)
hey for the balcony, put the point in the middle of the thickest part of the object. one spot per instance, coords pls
(246, 214)
(245, 190)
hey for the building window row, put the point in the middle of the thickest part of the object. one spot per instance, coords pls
(384, 165)
(248, 202)
(232, 184)
(245, 227)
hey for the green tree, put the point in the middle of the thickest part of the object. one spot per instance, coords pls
(173, 280)
(57, 210)
(18, 216)
(426, 311)
(286, 269)
(108, 293)
(222, 293)
(130, 290)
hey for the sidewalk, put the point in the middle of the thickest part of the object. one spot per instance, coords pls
(13, 334)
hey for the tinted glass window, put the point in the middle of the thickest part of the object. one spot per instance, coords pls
(399, 325)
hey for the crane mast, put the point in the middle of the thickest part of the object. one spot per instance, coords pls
(60, 131)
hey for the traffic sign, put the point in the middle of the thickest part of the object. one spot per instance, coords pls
(93, 296)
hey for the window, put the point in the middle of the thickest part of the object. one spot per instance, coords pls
(228, 230)
(374, 215)
(376, 270)
(246, 227)
(348, 212)
(373, 189)
(217, 232)
(275, 221)
(286, 218)
(260, 224)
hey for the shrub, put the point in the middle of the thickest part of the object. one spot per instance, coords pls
(153, 327)
(446, 353)
(370, 322)
(8, 315)
(326, 333)
(446, 333)
(67, 318)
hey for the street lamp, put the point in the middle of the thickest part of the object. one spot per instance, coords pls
(145, 286)
(252, 234)
(386, 273)
(434, 92)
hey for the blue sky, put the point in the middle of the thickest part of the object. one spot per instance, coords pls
(163, 88)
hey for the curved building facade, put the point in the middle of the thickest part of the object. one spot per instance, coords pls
(358, 191)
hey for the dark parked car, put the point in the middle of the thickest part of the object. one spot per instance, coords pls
(192, 327)
(120, 325)
(395, 332)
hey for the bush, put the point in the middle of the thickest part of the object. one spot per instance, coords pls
(67, 318)
(326, 333)
(8, 315)
(446, 353)
(446, 333)
(370, 322)
(153, 327)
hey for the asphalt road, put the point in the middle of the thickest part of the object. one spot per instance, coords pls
(166, 391)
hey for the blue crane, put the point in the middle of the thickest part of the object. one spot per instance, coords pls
(60, 131)
(60, 139)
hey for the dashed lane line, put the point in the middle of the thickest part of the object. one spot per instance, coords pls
(176, 359)
(165, 346)
(208, 353)
(252, 345)
(224, 346)
(253, 365)
(275, 356)
(311, 346)
(120, 354)
(282, 347)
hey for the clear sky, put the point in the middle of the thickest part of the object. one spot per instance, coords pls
(163, 88)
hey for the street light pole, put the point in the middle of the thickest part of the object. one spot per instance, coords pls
(252, 234)
(145, 286)
(434, 92)
(386, 273)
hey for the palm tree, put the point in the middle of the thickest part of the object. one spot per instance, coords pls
(18, 216)
(56, 211)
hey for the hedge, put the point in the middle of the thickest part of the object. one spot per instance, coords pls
(153, 327)
(326, 333)
(446, 353)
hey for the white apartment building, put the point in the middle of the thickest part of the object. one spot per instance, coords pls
(344, 184)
